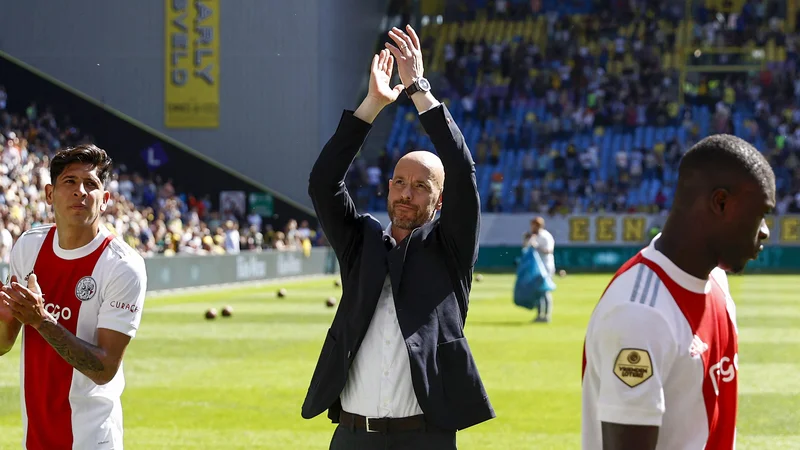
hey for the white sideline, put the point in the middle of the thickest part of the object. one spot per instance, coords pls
(237, 284)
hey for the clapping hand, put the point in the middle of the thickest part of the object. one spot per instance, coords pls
(380, 76)
(409, 66)
(26, 303)
(408, 54)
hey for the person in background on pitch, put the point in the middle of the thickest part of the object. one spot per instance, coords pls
(395, 370)
(661, 351)
(76, 293)
(542, 241)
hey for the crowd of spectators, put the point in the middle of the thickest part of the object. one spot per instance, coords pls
(146, 211)
(611, 71)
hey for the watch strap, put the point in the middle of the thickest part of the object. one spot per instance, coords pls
(413, 89)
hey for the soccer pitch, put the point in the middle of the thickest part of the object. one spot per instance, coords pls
(239, 382)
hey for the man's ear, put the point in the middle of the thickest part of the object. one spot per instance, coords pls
(720, 199)
(106, 198)
(48, 194)
(439, 202)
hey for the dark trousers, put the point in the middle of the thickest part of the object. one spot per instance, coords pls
(348, 439)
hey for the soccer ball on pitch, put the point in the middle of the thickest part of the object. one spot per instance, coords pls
(330, 302)
(227, 311)
(282, 292)
(211, 314)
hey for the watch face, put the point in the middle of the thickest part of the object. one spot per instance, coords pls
(423, 84)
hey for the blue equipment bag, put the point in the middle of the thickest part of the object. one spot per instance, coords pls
(533, 280)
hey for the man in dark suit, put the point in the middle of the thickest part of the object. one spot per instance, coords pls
(395, 370)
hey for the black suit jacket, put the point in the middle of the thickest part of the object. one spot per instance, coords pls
(431, 277)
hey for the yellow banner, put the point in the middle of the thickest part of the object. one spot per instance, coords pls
(191, 93)
(635, 229)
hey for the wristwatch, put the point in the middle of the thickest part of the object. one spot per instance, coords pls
(420, 84)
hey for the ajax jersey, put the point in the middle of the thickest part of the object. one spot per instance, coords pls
(661, 350)
(100, 285)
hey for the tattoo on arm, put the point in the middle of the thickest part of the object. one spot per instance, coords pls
(80, 354)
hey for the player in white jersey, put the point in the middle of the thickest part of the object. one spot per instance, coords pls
(76, 293)
(661, 351)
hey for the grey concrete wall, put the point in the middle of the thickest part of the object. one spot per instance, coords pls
(287, 70)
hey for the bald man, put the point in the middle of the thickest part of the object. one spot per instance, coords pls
(395, 370)
(661, 359)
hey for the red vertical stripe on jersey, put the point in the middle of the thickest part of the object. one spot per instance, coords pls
(709, 320)
(624, 268)
(48, 378)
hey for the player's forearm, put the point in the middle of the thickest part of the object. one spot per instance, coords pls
(5, 342)
(83, 356)
(8, 335)
(629, 437)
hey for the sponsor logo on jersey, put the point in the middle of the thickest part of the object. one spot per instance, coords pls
(58, 312)
(724, 371)
(698, 347)
(633, 366)
(125, 306)
(85, 289)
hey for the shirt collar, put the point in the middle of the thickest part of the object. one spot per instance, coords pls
(683, 279)
(387, 235)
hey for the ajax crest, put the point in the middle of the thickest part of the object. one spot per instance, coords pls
(85, 289)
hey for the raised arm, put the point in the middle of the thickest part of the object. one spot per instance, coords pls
(334, 206)
(460, 214)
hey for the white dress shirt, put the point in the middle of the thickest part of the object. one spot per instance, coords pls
(379, 381)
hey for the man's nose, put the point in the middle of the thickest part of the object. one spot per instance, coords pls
(81, 191)
(763, 231)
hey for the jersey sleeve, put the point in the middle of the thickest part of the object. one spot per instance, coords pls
(634, 348)
(24, 252)
(123, 298)
(17, 262)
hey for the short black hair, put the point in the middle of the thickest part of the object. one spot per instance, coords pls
(84, 153)
(727, 160)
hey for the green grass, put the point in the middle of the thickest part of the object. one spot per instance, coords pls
(239, 383)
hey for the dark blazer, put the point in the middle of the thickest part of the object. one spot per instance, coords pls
(431, 276)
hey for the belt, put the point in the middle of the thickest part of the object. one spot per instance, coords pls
(385, 425)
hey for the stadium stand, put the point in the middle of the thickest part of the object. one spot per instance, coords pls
(587, 106)
(145, 210)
